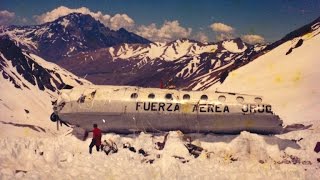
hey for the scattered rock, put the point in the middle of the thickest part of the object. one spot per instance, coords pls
(299, 43)
(317, 148)
(182, 159)
(233, 159)
(306, 163)
(194, 150)
(27, 111)
(141, 151)
(295, 159)
(18, 171)
(289, 51)
(160, 145)
(294, 140)
(295, 127)
(261, 162)
(150, 161)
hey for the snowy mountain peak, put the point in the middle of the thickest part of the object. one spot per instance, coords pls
(69, 35)
(25, 70)
(234, 45)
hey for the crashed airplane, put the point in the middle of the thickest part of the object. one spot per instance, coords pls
(129, 109)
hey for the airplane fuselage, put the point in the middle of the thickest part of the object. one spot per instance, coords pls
(127, 109)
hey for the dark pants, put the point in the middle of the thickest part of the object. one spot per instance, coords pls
(93, 143)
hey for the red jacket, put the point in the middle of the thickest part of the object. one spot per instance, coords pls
(97, 136)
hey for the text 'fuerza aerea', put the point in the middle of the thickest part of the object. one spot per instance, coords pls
(201, 108)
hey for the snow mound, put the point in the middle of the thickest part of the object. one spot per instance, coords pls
(246, 156)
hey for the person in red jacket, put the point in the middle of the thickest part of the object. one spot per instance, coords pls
(96, 139)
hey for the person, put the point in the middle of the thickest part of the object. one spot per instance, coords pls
(96, 138)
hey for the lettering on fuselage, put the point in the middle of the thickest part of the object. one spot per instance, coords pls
(175, 107)
(210, 108)
(260, 108)
(155, 106)
(200, 108)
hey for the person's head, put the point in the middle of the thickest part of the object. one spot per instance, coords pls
(95, 125)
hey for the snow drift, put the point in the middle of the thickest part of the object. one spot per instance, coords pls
(287, 77)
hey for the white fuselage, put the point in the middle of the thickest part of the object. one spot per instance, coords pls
(126, 109)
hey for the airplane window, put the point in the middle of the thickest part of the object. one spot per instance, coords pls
(186, 96)
(134, 95)
(257, 100)
(151, 96)
(168, 96)
(204, 97)
(222, 98)
(240, 99)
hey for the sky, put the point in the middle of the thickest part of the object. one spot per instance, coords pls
(205, 20)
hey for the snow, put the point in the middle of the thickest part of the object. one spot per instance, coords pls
(65, 23)
(29, 107)
(244, 156)
(165, 51)
(233, 47)
(177, 49)
(288, 82)
(67, 77)
(20, 38)
(155, 50)
(190, 68)
(71, 49)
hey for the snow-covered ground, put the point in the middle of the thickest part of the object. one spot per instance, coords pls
(288, 82)
(244, 156)
(26, 110)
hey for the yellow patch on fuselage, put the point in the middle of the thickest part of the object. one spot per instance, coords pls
(185, 108)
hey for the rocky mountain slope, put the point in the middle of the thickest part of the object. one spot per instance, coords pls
(88, 49)
(68, 35)
(29, 84)
(186, 62)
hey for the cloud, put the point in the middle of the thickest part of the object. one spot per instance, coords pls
(202, 37)
(223, 31)
(6, 17)
(222, 28)
(252, 39)
(121, 20)
(114, 22)
(224, 36)
(169, 31)
(24, 20)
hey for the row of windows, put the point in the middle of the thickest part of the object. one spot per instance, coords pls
(204, 97)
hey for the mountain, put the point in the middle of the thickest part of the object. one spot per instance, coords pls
(287, 76)
(29, 84)
(69, 35)
(185, 61)
(87, 48)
